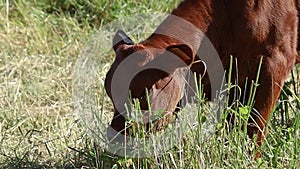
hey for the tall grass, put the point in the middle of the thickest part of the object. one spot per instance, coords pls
(40, 42)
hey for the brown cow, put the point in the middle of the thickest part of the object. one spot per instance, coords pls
(247, 30)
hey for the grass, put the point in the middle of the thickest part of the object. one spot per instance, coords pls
(39, 46)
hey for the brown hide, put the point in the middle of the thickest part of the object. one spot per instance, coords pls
(247, 30)
(298, 46)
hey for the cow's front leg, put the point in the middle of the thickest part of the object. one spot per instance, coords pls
(272, 76)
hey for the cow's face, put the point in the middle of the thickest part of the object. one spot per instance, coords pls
(138, 69)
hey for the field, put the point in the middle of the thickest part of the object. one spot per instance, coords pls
(41, 44)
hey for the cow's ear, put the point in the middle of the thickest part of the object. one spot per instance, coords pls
(121, 38)
(184, 52)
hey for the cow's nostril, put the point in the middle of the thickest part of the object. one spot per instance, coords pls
(114, 136)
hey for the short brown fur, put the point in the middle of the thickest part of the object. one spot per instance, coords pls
(247, 30)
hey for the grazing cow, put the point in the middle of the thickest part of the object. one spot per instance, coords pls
(247, 30)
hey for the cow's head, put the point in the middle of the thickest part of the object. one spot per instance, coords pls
(138, 69)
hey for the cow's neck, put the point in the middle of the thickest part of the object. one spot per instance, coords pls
(187, 24)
